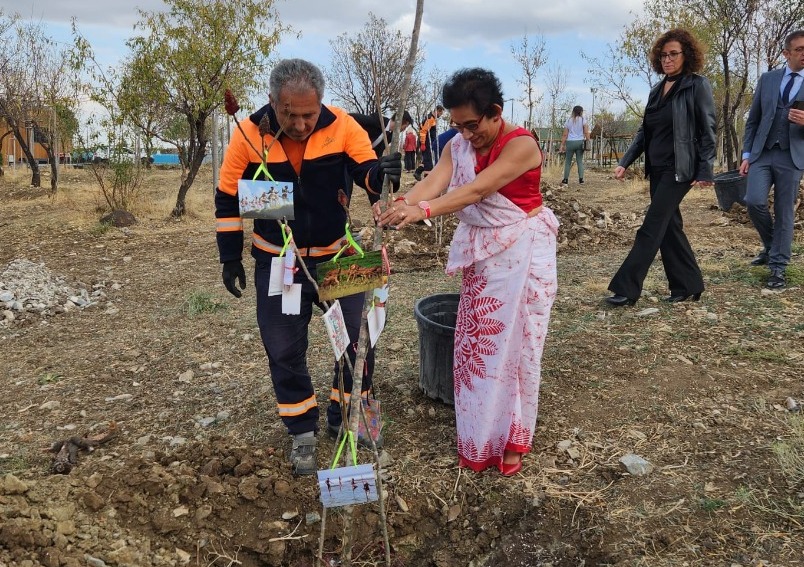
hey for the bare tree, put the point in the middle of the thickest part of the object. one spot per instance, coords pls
(377, 46)
(530, 55)
(34, 92)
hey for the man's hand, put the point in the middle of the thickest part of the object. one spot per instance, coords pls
(233, 271)
(744, 165)
(391, 167)
(619, 172)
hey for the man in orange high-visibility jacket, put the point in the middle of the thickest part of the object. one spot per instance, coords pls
(315, 144)
(428, 142)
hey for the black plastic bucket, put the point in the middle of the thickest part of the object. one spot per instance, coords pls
(730, 189)
(435, 316)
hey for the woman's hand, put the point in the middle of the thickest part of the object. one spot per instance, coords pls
(398, 215)
(619, 172)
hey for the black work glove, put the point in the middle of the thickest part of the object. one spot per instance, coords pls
(391, 167)
(233, 270)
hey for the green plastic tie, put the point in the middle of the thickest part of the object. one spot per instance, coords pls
(263, 169)
(347, 435)
(350, 241)
(287, 237)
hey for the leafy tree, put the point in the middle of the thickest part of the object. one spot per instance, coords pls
(365, 70)
(183, 61)
(742, 39)
(530, 55)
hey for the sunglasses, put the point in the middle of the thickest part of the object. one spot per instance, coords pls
(472, 125)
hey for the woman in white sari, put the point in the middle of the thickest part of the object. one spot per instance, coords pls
(505, 246)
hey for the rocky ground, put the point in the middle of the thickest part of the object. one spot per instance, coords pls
(101, 325)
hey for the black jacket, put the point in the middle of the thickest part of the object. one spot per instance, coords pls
(337, 144)
(693, 130)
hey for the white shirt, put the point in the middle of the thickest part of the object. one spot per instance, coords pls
(574, 127)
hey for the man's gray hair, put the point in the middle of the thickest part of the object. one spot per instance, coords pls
(296, 74)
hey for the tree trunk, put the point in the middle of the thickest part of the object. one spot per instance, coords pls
(728, 149)
(196, 150)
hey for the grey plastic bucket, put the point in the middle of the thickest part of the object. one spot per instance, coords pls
(730, 189)
(435, 316)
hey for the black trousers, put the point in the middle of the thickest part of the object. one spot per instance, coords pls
(662, 230)
(285, 340)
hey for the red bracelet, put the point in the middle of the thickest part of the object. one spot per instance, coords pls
(401, 199)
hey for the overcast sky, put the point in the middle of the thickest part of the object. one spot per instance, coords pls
(456, 33)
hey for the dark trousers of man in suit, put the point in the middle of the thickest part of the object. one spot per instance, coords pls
(774, 167)
(662, 230)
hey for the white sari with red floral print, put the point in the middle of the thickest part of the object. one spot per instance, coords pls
(509, 284)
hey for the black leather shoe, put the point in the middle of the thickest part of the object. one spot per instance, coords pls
(620, 300)
(761, 259)
(776, 281)
(680, 298)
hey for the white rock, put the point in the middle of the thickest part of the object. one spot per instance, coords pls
(120, 398)
(6, 295)
(647, 312)
(206, 421)
(50, 405)
(8, 315)
(186, 376)
(636, 465)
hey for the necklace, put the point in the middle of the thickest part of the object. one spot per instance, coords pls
(673, 78)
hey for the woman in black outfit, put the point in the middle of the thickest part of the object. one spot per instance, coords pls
(677, 136)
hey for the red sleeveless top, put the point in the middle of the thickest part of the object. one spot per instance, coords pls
(523, 191)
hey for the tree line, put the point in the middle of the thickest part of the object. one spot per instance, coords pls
(171, 82)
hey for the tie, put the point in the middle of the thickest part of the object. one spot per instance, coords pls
(788, 87)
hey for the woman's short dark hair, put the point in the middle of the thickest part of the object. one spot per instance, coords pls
(691, 47)
(577, 110)
(479, 87)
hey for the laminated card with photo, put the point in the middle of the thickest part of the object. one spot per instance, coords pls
(350, 274)
(265, 199)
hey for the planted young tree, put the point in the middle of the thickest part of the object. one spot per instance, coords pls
(350, 78)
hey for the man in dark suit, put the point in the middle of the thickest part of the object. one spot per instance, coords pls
(773, 154)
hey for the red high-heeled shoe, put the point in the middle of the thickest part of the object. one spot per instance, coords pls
(511, 469)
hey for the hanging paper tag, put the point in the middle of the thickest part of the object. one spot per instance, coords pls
(275, 279)
(336, 329)
(291, 299)
(265, 199)
(376, 314)
(289, 266)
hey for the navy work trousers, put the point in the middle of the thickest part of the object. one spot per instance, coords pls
(285, 338)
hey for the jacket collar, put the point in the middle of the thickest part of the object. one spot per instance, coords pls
(326, 118)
